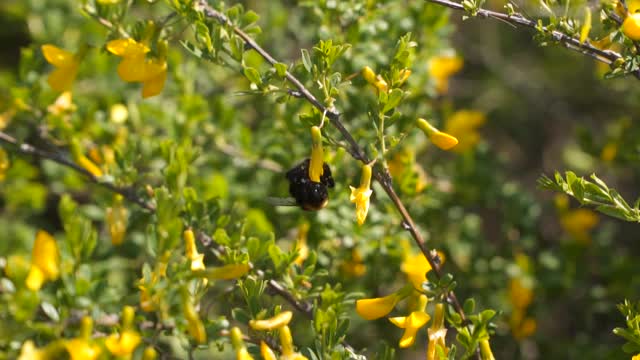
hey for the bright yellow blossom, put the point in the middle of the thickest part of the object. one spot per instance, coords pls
(238, 344)
(464, 124)
(81, 348)
(360, 195)
(440, 139)
(30, 352)
(272, 323)
(416, 267)
(116, 217)
(636, 357)
(437, 336)
(149, 353)
(66, 64)
(191, 251)
(412, 323)
(125, 343)
(301, 243)
(45, 261)
(375, 308)
(485, 350)
(286, 344)
(62, 105)
(4, 164)
(381, 84)
(631, 26)
(316, 166)
(369, 75)
(441, 68)
(194, 323)
(266, 352)
(225, 272)
(135, 67)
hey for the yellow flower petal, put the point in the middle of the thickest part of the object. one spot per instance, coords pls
(631, 26)
(132, 69)
(81, 349)
(57, 57)
(441, 68)
(266, 352)
(61, 79)
(369, 75)
(375, 308)
(127, 48)
(226, 272)
(443, 140)
(116, 217)
(45, 255)
(123, 344)
(35, 279)
(272, 323)
(243, 354)
(154, 86)
(316, 165)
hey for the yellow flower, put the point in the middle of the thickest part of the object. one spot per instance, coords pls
(272, 323)
(578, 223)
(441, 68)
(416, 267)
(412, 323)
(609, 152)
(316, 166)
(636, 357)
(194, 324)
(81, 348)
(149, 353)
(437, 336)
(354, 267)
(485, 350)
(375, 308)
(440, 139)
(301, 243)
(30, 352)
(369, 75)
(633, 6)
(238, 344)
(66, 64)
(135, 67)
(520, 296)
(286, 343)
(404, 75)
(266, 352)
(464, 124)
(125, 343)
(191, 251)
(62, 105)
(225, 272)
(360, 195)
(117, 221)
(45, 261)
(631, 26)
(381, 84)
(4, 164)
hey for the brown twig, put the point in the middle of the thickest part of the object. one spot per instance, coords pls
(28, 149)
(605, 56)
(381, 175)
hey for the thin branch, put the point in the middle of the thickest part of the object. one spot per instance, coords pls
(28, 149)
(381, 175)
(605, 56)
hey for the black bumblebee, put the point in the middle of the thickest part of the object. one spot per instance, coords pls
(307, 194)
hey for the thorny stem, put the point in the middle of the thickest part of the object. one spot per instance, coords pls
(382, 176)
(605, 56)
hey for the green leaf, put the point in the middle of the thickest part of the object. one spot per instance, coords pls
(253, 75)
(395, 96)
(469, 305)
(281, 69)
(306, 60)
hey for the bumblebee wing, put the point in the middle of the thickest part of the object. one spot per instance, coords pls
(277, 201)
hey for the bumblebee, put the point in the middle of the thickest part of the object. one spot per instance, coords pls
(309, 195)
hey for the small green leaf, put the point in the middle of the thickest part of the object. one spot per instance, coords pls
(306, 60)
(469, 305)
(253, 75)
(395, 96)
(281, 69)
